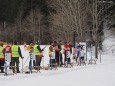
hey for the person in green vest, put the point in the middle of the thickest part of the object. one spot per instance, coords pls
(16, 53)
(2, 59)
(38, 55)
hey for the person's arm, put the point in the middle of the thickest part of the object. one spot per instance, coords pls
(19, 51)
(59, 47)
(4, 51)
(38, 47)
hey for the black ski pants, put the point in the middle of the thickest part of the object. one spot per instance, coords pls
(2, 64)
(15, 60)
(38, 60)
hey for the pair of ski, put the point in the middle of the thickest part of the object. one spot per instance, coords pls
(6, 69)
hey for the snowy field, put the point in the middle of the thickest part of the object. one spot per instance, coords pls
(101, 74)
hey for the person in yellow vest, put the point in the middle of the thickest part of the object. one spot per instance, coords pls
(16, 53)
(38, 54)
(2, 59)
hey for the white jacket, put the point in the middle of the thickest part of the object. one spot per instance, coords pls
(82, 53)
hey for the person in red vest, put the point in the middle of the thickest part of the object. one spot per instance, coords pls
(66, 48)
(7, 49)
(70, 46)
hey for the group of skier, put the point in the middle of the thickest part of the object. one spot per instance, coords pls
(56, 50)
(55, 54)
(12, 52)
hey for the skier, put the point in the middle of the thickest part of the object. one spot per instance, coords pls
(16, 53)
(78, 47)
(56, 52)
(7, 51)
(81, 59)
(30, 48)
(70, 46)
(60, 53)
(74, 55)
(25, 46)
(2, 59)
(38, 55)
(51, 54)
(67, 53)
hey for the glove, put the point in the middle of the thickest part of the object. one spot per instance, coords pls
(22, 57)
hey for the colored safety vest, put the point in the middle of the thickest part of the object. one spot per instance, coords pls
(1, 53)
(15, 52)
(50, 52)
(30, 48)
(36, 51)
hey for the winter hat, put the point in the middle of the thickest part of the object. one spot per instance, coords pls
(15, 42)
(1, 44)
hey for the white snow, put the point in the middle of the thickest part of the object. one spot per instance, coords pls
(101, 74)
(109, 41)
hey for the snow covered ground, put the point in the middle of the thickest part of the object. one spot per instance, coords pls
(101, 74)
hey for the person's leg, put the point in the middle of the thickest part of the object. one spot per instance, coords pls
(53, 62)
(50, 61)
(80, 60)
(2, 64)
(38, 63)
(34, 63)
(65, 60)
(17, 65)
(77, 58)
(83, 60)
(37, 60)
(10, 64)
(57, 58)
(29, 64)
(13, 64)
(69, 60)
(61, 59)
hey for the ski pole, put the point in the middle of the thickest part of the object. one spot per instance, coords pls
(86, 51)
(5, 65)
(31, 63)
(100, 56)
(59, 60)
(91, 55)
(42, 58)
(44, 47)
(26, 60)
(51, 63)
(22, 65)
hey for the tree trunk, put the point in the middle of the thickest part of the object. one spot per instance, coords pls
(96, 50)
